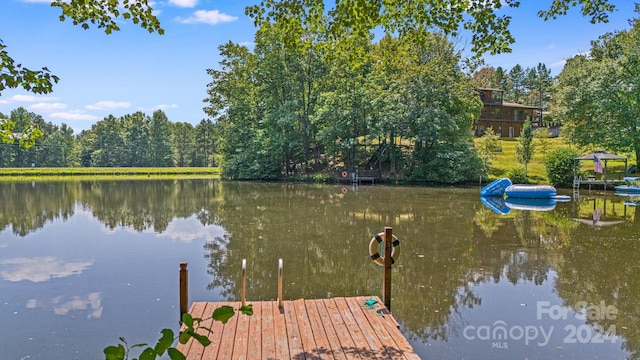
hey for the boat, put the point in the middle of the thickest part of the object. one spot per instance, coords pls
(530, 204)
(530, 191)
(496, 188)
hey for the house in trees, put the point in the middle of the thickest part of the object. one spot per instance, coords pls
(506, 118)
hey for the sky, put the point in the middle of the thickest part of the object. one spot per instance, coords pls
(133, 70)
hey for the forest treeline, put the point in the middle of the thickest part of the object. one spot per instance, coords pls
(133, 140)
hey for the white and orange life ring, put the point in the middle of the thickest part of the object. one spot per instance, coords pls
(344, 174)
(375, 254)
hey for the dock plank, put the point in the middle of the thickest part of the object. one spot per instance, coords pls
(293, 332)
(335, 328)
(394, 344)
(281, 337)
(241, 343)
(228, 339)
(268, 338)
(380, 337)
(215, 335)
(360, 342)
(323, 347)
(330, 332)
(306, 333)
(254, 348)
(346, 341)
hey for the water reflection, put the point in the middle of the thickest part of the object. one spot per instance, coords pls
(40, 269)
(463, 265)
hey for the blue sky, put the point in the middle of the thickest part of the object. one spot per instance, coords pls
(133, 70)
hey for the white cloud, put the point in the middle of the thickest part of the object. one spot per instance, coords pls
(30, 98)
(40, 269)
(73, 115)
(108, 105)
(184, 3)
(93, 302)
(47, 107)
(211, 17)
(165, 106)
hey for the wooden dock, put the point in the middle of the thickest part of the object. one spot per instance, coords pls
(336, 328)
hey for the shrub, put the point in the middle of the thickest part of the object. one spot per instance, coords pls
(518, 176)
(559, 166)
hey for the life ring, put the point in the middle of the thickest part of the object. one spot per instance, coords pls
(375, 254)
(344, 174)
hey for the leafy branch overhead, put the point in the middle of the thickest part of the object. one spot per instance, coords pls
(105, 13)
(489, 27)
(14, 75)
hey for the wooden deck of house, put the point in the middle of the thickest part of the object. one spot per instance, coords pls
(335, 328)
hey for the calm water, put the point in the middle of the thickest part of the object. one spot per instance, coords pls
(83, 263)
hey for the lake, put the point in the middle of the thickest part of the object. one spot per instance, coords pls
(83, 263)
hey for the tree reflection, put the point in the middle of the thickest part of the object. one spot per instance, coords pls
(450, 242)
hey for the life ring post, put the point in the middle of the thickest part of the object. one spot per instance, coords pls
(386, 285)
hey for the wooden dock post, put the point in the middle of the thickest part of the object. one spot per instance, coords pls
(244, 281)
(386, 285)
(184, 289)
(280, 283)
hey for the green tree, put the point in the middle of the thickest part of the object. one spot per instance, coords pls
(205, 147)
(500, 79)
(539, 83)
(109, 145)
(597, 95)
(525, 147)
(137, 140)
(517, 80)
(486, 147)
(233, 103)
(183, 144)
(160, 140)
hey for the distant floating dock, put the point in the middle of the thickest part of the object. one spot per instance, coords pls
(335, 328)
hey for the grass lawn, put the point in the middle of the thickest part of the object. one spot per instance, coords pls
(505, 161)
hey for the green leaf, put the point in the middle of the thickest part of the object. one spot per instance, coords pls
(165, 341)
(247, 310)
(184, 337)
(187, 319)
(203, 340)
(114, 352)
(223, 314)
(148, 354)
(175, 354)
